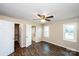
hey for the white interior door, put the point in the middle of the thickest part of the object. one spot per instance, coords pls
(28, 35)
(6, 38)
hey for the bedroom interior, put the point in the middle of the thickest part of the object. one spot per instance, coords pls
(39, 29)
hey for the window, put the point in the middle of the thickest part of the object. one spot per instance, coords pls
(70, 32)
(46, 31)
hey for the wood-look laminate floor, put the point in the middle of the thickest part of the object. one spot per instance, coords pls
(42, 49)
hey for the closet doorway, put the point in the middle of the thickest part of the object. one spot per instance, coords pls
(17, 38)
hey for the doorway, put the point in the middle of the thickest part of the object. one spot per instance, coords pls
(33, 33)
(17, 39)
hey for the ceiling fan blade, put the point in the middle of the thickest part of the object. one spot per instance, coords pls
(39, 15)
(50, 17)
(47, 20)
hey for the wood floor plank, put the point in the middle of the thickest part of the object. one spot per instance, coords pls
(42, 49)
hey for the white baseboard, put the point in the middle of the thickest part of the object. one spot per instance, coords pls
(72, 49)
(64, 46)
(38, 41)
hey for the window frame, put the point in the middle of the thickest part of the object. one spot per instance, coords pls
(45, 32)
(75, 34)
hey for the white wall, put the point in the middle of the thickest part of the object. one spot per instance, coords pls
(56, 34)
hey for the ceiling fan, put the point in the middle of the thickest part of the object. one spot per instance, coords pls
(44, 18)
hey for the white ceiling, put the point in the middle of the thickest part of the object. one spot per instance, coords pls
(27, 11)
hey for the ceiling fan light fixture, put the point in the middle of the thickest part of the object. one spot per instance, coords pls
(43, 21)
